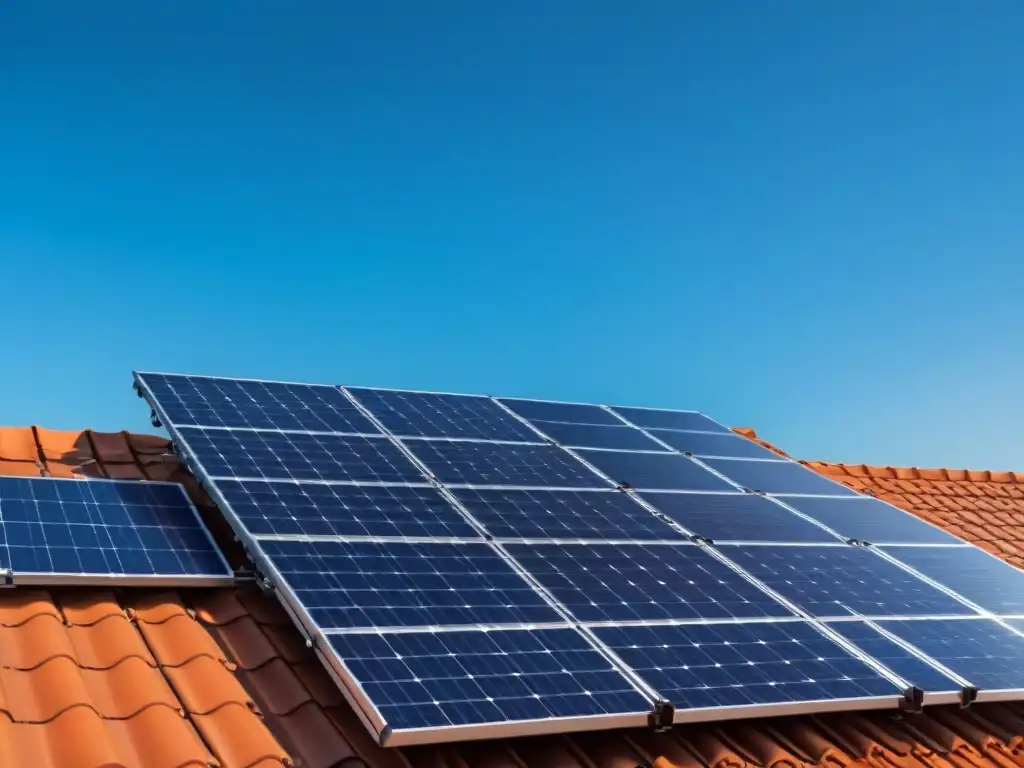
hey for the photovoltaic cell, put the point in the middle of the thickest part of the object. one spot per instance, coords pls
(436, 679)
(424, 414)
(843, 581)
(777, 477)
(972, 573)
(734, 665)
(593, 436)
(470, 463)
(650, 418)
(571, 413)
(103, 528)
(296, 456)
(655, 471)
(538, 514)
(981, 651)
(346, 584)
(713, 444)
(894, 656)
(308, 509)
(736, 517)
(629, 582)
(871, 520)
(211, 402)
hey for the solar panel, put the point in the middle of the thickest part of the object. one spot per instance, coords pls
(632, 582)
(843, 581)
(209, 402)
(430, 680)
(541, 514)
(777, 477)
(983, 579)
(736, 517)
(907, 664)
(312, 509)
(652, 418)
(452, 564)
(872, 520)
(713, 444)
(746, 665)
(471, 463)
(594, 436)
(570, 413)
(655, 471)
(98, 531)
(983, 652)
(299, 456)
(346, 584)
(426, 414)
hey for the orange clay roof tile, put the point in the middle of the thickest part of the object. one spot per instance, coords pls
(162, 678)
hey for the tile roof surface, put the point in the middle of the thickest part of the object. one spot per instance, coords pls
(165, 678)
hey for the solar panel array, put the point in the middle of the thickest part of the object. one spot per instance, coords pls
(471, 566)
(98, 531)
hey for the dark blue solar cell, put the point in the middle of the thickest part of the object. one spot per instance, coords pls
(103, 528)
(843, 581)
(212, 402)
(570, 413)
(440, 679)
(627, 582)
(296, 456)
(652, 418)
(313, 509)
(538, 514)
(471, 463)
(593, 436)
(983, 652)
(778, 477)
(736, 517)
(706, 444)
(983, 579)
(867, 519)
(427, 414)
(895, 657)
(655, 471)
(736, 665)
(401, 584)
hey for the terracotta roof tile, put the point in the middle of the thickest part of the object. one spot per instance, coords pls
(161, 678)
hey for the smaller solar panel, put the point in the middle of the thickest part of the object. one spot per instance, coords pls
(539, 514)
(629, 582)
(652, 418)
(211, 402)
(655, 471)
(986, 654)
(352, 584)
(471, 463)
(428, 414)
(970, 572)
(312, 509)
(296, 456)
(843, 581)
(895, 657)
(713, 444)
(103, 528)
(443, 679)
(593, 436)
(872, 520)
(736, 665)
(571, 413)
(736, 517)
(777, 477)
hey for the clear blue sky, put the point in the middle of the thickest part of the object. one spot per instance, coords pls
(805, 217)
